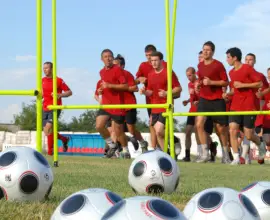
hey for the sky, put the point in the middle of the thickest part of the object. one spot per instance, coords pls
(85, 28)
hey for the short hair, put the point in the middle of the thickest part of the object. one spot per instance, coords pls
(157, 54)
(200, 52)
(235, 52)
(150, 47)
(121, 59)
(210, 44)
(48, 63)
(192, 69)
(252, 55)
(268, 69)
(106, 51)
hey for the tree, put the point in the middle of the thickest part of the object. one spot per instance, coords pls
(26, 119)
(85, 122)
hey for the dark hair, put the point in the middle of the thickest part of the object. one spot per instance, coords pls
(235, 52)
(192, 69)
(157, 54)
(121, 59)
(210, 44)
(268, 69)
(150, 47)
(49, 63)
(253, 55)
(105, 51)
(200, 52)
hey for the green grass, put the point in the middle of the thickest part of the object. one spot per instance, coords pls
(77, 173)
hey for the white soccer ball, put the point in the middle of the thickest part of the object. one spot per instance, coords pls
(154, 172)
(25, 175)
(143, 208)
(259, 194)
(221, 204)
(86, 204)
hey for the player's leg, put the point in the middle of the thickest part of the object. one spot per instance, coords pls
(153, 135)
(266, 137)
(189, 128)
(64, 139)
(212, 146)
(235, 123)
(47, 129)
(158, 121)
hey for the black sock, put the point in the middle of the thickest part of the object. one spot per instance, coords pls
(187, 153)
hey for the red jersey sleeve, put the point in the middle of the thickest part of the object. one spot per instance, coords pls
(222, 72)
(130, 79)
(98, 85)
(120, 75)
(264, 81)
(140, 72)
(253, 75)
(175, 81)
(150, 85)
(64, 86)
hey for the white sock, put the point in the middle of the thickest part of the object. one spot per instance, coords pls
(199, 150)
(204, 149)
(110, 142)
(125, 149)
(225, 152)
(245, 149)
(236, 156)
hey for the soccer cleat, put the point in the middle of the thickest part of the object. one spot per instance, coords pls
(134, 142)
(65, 144)
(186, 159)
(203, 159)
(242, 160)
(144, 146)
(235, 162)
(124, 155)
(262, 152)
(231, 156)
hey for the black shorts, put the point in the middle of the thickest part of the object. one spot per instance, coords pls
(246, 121)
(217, 105)
(149, 111)
(47, 117)
(131, 117)
(266, 130)
(158, 117)
(209, 125)
(191, 120)
(119, 119)
(258, 129)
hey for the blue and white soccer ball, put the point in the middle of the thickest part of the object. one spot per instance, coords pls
(143, 208)
(25, 175)
(86, 204)
(220, 204)
(154, 172)
(259, 194)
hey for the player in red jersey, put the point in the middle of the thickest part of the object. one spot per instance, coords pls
(131, 114)
(244, 80)
(157, 90)
(63, 91)
(113, 86)
(193, 100)
(212, 76)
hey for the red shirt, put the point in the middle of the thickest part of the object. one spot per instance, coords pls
(144, 69)
(98, 86)
(129, 96)
(156, 82)
(244, 99)
(265, 86)
(214, 71)
(113, 75)
(266, 118)
(47, 91)
(192, 96)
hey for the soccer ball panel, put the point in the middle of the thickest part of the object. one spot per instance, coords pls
(165, 166)
(248, 205)
(73, 204)
(40, 158)
(114, 210)
(210, 201)
(28, 182)
(6, 159)
(139, 168)
(266, 197)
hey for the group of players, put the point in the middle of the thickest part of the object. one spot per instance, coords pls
(209, 89)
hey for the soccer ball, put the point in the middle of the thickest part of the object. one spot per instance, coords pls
(259, 194)
(86, 204)
(143, 207)
(221, 204)
(25, 175)
(154, 172)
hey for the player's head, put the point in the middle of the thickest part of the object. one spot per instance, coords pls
(156, 59)
(200, 57)
(268, 73)
(234, 55)
(120, 61)
(191, 74)
(47, 68)
(250, 59)
(107, 57)
(208, 50)
(149, 49)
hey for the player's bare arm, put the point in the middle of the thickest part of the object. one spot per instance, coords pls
(240, 85)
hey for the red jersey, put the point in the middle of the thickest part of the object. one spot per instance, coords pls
(192, 96)
(266, 118)
(158, 81)
(113, 75)
(244, 99)
(47, 91)
(265, 86)
(129, 96)
(144, 69)
(214, 71)
(98, 86)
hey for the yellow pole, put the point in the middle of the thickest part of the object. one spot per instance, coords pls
(19, 92)
(39, 74)
(54, 55)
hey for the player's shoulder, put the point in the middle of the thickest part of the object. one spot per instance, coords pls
(218, 63)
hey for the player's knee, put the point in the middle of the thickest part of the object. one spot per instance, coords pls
(249, 136)
(199, 126)
(233, 132)
(99, 127)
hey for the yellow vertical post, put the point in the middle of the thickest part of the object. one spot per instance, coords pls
(39, 74)
(54, 58)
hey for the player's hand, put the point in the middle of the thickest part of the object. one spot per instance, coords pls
(142, 80)
(142, 91)
(104, 85)
(185, 102)
(197, 87)
(225, 95)
(196, 103)
(207, 81)
(59, 95)
(259, 93)
(237, 85)
(162, 93)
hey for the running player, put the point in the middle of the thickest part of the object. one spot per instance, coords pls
(131, 114)
(244, 80)
(157, 89)
(113, 86)
(63, 91)
(213, 77)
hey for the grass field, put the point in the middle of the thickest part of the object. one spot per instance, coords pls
(77, 173)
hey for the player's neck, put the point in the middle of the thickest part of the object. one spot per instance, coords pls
(49, 76)
(237, 65)
(208, 61)
(159, 69)
(109, 67)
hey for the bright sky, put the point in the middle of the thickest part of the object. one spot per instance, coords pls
(85, 28)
